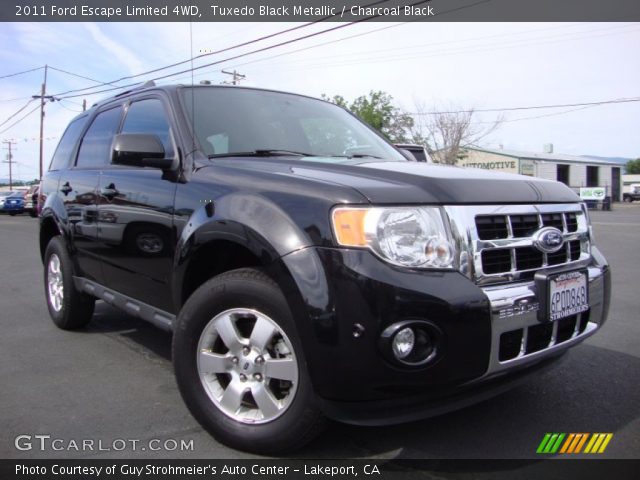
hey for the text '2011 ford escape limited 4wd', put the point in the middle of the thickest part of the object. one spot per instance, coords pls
(307, 269)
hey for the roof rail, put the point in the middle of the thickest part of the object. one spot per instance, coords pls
(147, 84)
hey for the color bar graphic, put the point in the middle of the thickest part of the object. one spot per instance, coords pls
(550, 443)
(553, 443)
(598, 442)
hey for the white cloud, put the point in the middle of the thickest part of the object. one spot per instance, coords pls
(121, 53)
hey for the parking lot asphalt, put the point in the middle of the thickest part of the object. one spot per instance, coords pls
(114, 381)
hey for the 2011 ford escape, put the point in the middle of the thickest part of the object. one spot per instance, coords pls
(306, 268)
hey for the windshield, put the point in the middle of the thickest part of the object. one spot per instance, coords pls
(230, 120)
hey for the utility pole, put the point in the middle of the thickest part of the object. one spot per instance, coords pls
(236, 77)
(10, 161)
(43, 96)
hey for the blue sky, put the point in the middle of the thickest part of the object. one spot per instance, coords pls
(437, 65)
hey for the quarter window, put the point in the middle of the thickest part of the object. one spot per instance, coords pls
(68, 141)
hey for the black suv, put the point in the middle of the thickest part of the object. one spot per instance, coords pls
(307, 269)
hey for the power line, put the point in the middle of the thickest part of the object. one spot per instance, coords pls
(263, 49)
(16, 113)
(321, 44)
(471, 39)
(58, 70)
(456, 51)
(80, 76)
(67, 108)
(15, 99)
(532, 107)
(20, 119)
(265, 37)
(21, 73)
(299, 50)
(564, 112)
(249, 42)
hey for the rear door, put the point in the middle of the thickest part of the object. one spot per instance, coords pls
(79, 188)
(62, 158)
(135, 216)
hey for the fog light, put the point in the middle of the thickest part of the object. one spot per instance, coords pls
(403, 343)
(411, 343)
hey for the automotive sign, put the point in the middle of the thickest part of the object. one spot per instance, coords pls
(592, 193)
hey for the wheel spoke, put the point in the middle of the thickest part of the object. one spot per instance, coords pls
(267, 404)
(261, 333)
(280, 368)
(247, 366)
(213, 362)
(55, 264)
(232, 396)
(54, 283)
(226, 327)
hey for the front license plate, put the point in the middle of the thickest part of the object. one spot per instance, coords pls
(568, 294)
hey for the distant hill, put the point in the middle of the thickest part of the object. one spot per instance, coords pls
(5, 181)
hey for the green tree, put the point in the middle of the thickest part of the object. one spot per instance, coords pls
(377, 109)
(633, 166)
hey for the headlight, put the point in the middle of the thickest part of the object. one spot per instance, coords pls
(405, 236)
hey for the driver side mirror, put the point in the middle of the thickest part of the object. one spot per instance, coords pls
(139, 150)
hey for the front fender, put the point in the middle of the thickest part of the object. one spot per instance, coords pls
(239, 217)
(248, 220)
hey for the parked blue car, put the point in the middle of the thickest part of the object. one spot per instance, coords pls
(11, 202)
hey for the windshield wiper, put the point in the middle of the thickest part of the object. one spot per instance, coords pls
(276, 152)
(357, 155)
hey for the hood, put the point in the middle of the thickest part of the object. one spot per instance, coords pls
(384, 182)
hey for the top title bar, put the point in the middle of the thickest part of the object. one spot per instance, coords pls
(314, 10)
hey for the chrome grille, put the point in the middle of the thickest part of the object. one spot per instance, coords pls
(497, 242)
(525, 341)
(494, 227)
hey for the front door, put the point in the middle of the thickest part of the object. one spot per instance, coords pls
(135, 215)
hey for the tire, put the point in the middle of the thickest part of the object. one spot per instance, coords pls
(626, 199)
(69, 309)
(13, 214)
(33, 214)
(274, 414)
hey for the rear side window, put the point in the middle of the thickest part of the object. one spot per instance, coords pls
(95, 150)
(149, 116)
(68, 141)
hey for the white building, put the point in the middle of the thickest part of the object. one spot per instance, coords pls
(629, 181)
(572, 170)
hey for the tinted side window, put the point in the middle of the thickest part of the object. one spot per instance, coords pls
(149, 116)
(64, 149)
(96, 144)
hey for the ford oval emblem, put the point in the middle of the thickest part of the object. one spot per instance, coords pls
(548, 240)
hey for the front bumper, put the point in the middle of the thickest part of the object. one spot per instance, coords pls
(521, 327)
(340, 288)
